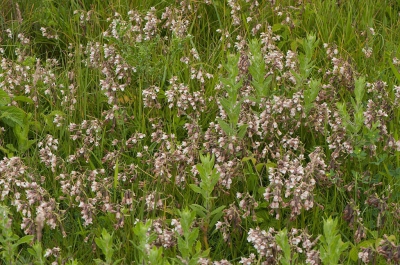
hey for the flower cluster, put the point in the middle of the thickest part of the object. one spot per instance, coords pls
(47, 147)
(267, 248)
(89, 133)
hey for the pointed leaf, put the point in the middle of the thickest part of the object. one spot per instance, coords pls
(242, 131)
(25, 239)
(215, 219)
(226, 127)
(193, 236)
(196, 188)
(200, 210)
(219, 209)
(359, 89)
(202, 171)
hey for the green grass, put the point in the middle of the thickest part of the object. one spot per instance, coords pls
(212, 135)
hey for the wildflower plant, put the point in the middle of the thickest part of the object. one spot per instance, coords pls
(147, 252)
(37, 253)
(209, 178)
(231, 104)
(332, 245)
(17, 120)
(189, 246)
(306, 60)
(9, 241)
(105, 243)
(283, 242)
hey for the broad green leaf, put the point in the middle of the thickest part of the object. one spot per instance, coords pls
(276, 27)
(353, 254)
(23, 99)
(248, 158)
(11, 148)
(7, 151)
(260, 166)
(270, 164)
(4, 98)
(392, 238)
(12, 116)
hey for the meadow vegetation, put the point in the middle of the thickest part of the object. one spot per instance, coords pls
(199, 132)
